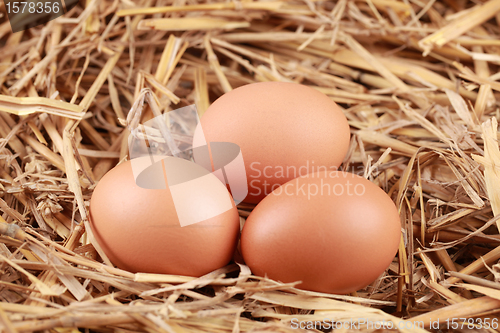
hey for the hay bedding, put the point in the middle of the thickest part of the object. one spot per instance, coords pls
(417, 80)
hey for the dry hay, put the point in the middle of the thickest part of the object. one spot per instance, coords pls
(417, 80)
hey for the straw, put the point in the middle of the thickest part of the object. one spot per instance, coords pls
(417, 81)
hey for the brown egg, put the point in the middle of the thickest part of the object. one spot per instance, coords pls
(334, 231)
(283, 129)
(139, 228)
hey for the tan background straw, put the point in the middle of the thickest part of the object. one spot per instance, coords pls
(418, 81)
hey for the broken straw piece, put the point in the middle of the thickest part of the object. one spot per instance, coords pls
(134, 115)
(491, 163)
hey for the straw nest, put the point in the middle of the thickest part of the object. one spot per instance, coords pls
(417, 80)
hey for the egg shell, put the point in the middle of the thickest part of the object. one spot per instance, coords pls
(139, 228)
(283, 130)
(334, 231)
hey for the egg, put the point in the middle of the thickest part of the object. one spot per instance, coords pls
(334, 231)
(284, 130)
(141, 229)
